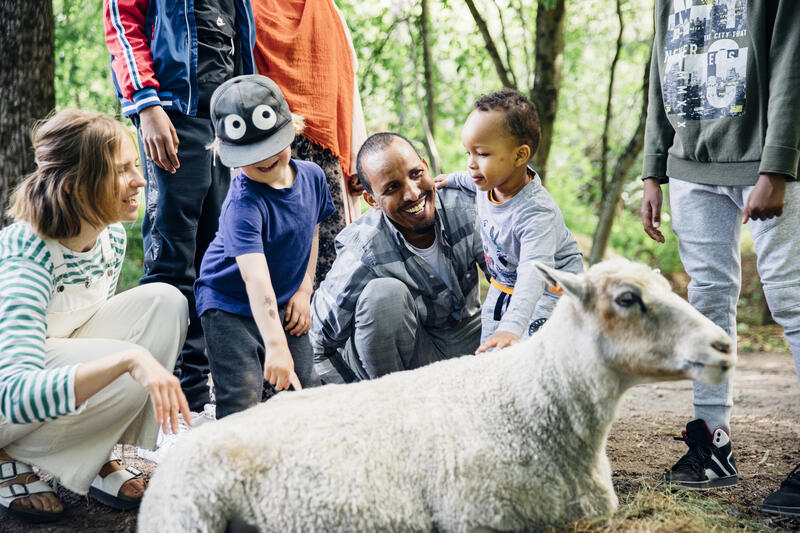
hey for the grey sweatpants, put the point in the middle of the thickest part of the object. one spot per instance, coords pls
(389, 336)
(708, 222)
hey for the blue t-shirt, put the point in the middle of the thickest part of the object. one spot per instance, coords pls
(257, 218)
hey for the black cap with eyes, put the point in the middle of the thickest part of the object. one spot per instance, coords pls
(251, 120)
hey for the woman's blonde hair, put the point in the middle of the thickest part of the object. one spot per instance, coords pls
(76, 176)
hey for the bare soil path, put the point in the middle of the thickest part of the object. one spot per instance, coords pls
(766, 437)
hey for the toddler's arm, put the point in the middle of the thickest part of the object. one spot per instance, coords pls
(456, 180)
(298, 310)
(278, 363)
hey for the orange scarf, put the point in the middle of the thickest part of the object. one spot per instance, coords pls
(303, 47)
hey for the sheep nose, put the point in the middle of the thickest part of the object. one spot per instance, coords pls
(722, 346)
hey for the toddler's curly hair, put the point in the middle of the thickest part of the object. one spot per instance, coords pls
(522, 120)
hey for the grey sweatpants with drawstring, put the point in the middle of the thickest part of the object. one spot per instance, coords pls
(708, 222)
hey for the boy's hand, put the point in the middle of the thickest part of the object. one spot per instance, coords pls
(651, 209)
(279, 368)
(159, 138)
(298, 313)
(498, 341)
(767, 198)
(440, 181)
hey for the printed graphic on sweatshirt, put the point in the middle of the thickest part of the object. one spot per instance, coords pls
(705, 56)
(503, 269)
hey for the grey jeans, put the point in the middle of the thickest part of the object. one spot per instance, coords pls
(389, 336)
(708, 222)
(236, 353)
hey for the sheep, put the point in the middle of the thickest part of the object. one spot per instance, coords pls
(508, 440)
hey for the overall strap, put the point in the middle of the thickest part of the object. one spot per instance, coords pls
(57, 257)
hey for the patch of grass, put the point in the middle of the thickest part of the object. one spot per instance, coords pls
(647, 508)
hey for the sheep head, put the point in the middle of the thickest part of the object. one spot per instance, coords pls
(641, 328)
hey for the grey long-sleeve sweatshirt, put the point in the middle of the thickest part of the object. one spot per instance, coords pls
(724, 91)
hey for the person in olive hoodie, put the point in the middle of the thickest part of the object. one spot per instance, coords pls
(723, 128)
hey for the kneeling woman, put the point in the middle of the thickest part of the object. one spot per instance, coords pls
(80, 369)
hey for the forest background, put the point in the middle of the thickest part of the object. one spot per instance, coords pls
(422, 63)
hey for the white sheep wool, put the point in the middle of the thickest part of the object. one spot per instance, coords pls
(512, 440)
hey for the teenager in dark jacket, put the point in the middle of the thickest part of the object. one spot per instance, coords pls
(167, 58)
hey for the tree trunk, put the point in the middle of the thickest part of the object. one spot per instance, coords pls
(621, 171)
(547, 77)
(609, 99)
(27, 86)
(427, 65)
(491, 48)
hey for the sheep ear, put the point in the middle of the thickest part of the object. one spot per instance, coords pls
(568, 281)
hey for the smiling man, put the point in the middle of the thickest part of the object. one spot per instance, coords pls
(403, 291)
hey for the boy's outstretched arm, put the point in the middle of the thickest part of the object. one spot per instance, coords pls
(278, 363)
(652, 198)
(298, 309)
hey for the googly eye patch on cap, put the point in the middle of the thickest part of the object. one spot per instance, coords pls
(235, 126)
(264, 117)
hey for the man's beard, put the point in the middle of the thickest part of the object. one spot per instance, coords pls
(425, 229)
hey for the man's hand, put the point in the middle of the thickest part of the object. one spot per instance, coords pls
(159, 138)
(498, 341)
(279, 368)
(298, 313)
(354, 186)
(766, 199)
(651, 209)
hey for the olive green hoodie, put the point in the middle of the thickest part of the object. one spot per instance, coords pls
(725, 91)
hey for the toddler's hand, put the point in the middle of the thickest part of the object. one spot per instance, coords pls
(440, 181)
(498, 341)
(279, 369)
(298, 313)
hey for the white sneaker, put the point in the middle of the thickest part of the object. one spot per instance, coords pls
(165, 441)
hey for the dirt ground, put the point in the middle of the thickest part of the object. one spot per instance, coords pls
(766, 434)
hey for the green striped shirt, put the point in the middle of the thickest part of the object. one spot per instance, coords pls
(29, 392)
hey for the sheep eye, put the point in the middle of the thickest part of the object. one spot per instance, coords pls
(627, 299)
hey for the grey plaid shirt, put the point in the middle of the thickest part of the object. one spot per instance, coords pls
(372, 247)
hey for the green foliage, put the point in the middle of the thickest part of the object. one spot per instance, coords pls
(132, 266)
(83, 76)
(386, 39)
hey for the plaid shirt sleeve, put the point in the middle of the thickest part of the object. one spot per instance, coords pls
(335, 301)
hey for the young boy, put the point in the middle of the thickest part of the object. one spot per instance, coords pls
(254, 288)
(519, 220)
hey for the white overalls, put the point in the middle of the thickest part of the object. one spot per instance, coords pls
(84, 325)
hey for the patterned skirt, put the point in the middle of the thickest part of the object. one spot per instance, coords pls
(306, 150)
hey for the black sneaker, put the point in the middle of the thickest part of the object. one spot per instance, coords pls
(709, 462)
(785, 500)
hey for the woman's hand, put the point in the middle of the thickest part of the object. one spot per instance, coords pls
(164, 390)
(279, 367)
(354, 186)
(298, 313)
